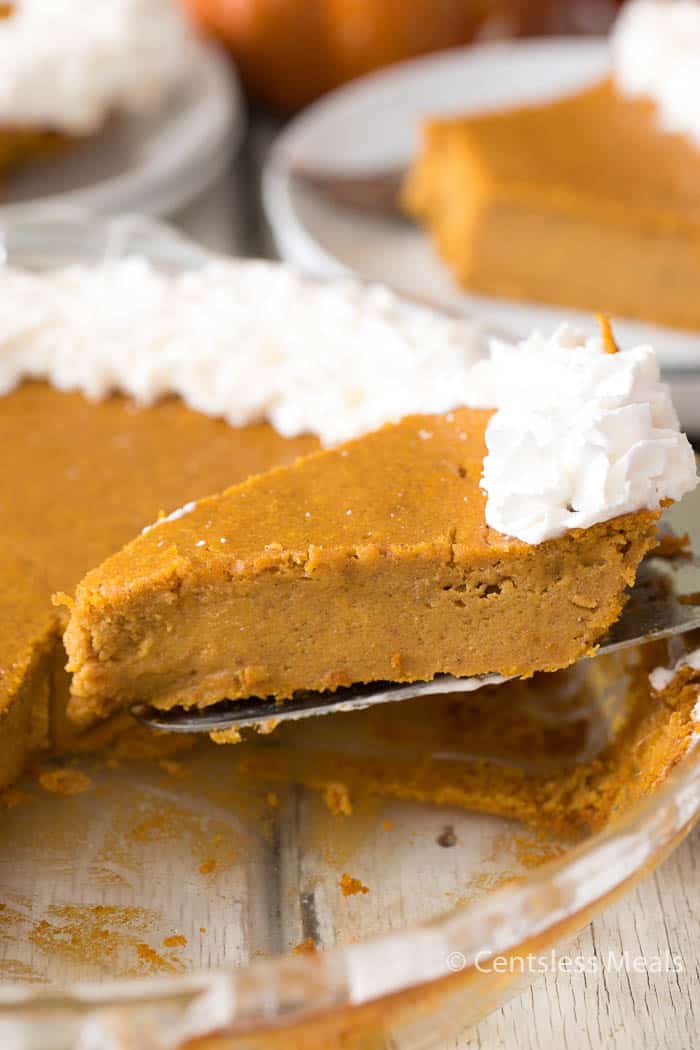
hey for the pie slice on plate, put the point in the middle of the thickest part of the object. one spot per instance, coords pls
(589, 201)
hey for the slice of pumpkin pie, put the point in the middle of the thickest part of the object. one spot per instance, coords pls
(366, 562)
(589, 200)
(467, 542)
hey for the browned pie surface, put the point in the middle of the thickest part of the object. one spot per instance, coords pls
(76, 481)
(554, 202)
(372, 561)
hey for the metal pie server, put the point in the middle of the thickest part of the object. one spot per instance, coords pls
(654, 610)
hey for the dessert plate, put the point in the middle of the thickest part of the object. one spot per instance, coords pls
(372, 125)
(153, 164)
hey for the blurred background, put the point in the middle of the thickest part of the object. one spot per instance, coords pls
(288, 53)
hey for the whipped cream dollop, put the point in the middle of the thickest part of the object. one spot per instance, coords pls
(67, 66)
(656, 52)
(661, 677)
(241, 340)
(580, 435)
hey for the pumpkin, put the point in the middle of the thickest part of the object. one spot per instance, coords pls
(291, 51)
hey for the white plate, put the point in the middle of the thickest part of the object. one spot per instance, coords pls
(152, 164)
(372, 124)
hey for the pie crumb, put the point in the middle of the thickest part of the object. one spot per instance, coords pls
(351, 886)
(65, 781)
(306, 947)
(177, 940)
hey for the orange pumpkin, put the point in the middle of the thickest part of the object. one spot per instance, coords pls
(291, 51)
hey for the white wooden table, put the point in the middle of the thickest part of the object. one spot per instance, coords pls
(618, 1011)
(611, 1010)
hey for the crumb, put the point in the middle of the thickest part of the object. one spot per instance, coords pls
(351, 886)
(150, 955)
(272, 799)
(207, 866)
(387, 825)
(227, 736)
(690, 599)
(202, 929)
(65, 781)
(306, 947)
(337, 799)
(177, 940)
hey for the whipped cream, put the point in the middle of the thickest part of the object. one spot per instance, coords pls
(241, 340)
(580, 435)
(68, 65)
(656, 52)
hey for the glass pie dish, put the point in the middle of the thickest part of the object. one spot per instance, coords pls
(188, 894)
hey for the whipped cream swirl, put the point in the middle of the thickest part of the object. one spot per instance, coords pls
(67, 66)
(656, 52)
(580, 435)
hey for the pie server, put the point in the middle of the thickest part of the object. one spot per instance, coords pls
(654, 610)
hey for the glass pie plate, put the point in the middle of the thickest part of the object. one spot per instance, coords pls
(186, 899)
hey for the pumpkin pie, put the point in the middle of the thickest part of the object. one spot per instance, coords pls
(369, 561)
(586, 201)
(84, 477)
